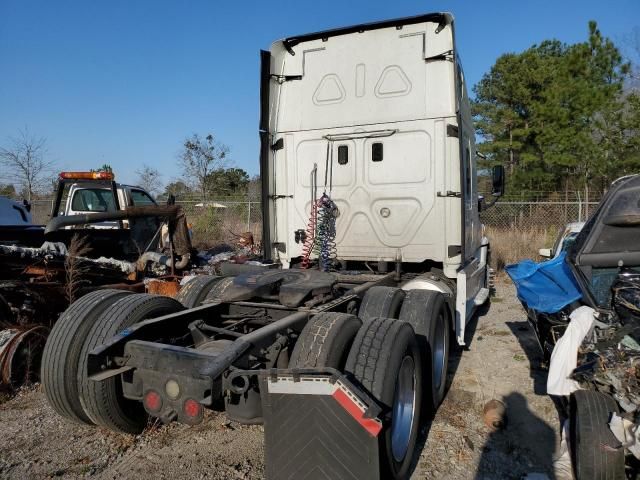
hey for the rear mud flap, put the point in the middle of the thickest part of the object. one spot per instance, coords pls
(318, 425)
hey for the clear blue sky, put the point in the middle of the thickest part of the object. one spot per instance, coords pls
(124, 82)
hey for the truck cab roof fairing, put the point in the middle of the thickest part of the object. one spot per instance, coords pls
(442, 18)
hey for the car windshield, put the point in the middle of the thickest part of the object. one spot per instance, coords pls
(93, 200)
(569, 240)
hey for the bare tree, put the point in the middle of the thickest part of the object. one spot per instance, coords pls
(149, 178)
(24, 162)
(200, 158)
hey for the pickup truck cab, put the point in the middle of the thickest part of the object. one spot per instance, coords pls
(85, 194)
(96, 192)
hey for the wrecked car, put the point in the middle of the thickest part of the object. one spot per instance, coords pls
(584, 306)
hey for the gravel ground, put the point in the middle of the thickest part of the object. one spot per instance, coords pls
(501, 362)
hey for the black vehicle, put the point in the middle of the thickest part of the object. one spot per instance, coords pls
(605, 262)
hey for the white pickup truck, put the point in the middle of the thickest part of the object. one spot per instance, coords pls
(97, 192)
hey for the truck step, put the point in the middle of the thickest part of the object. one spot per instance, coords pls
(481, 297)
(492, 278)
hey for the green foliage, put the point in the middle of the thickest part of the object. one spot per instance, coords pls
(227, 182)
(200, 158)
(8, 190)
(179, 189)
(206, 225)
(104, 168)
(558, 117)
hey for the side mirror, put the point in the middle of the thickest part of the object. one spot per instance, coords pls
(545, 252)
(497, 177)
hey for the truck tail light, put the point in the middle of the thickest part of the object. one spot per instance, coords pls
(152, 401)
(192, 409)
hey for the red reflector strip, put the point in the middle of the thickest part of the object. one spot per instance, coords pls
(369, 424)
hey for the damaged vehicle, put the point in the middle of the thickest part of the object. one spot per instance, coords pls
(584, 306)
(102, 235)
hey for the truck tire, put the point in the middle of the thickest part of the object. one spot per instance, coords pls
(103, 401)
(382, 302)
(325, 341)
(427, 313)
(193, 293)
(591, 440)
(61, 355)
(217, 291)
(385, 360)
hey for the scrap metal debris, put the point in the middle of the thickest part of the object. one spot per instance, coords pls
(610, 359)
(20, 352)
(38, 283)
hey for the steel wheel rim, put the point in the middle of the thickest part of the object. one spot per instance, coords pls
(439, 352)
(404, 403)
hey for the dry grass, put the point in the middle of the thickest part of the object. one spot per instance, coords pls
(75, 267)
(512, 245)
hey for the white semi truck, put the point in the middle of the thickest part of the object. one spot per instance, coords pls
(374, 261)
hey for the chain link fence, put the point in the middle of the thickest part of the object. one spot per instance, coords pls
(545, 214)
(216, 221)
(222, 220)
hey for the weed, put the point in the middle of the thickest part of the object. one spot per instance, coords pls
(512, 245)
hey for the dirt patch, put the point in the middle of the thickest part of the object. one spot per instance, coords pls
(455, 444)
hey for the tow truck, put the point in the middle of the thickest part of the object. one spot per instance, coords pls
(125, 236)
(374, 261)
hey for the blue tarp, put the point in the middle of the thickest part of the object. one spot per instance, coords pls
(546, 287)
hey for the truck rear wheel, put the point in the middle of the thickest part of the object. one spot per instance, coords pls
(426, 311)
(381, 302)
(385, 360)
(325, 341)
(103, 401)
(61, 356)
(193, 293)
(591, 440)
(217, 291)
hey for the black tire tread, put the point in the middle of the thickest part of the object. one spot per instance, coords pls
(591, 415)
(415, 316)
(320, 336)
(381, 302)
(101, 399)
(194, 292)
(62, 351)
(420, 308)
(373, 341)
(374, 360)
(217, 291)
